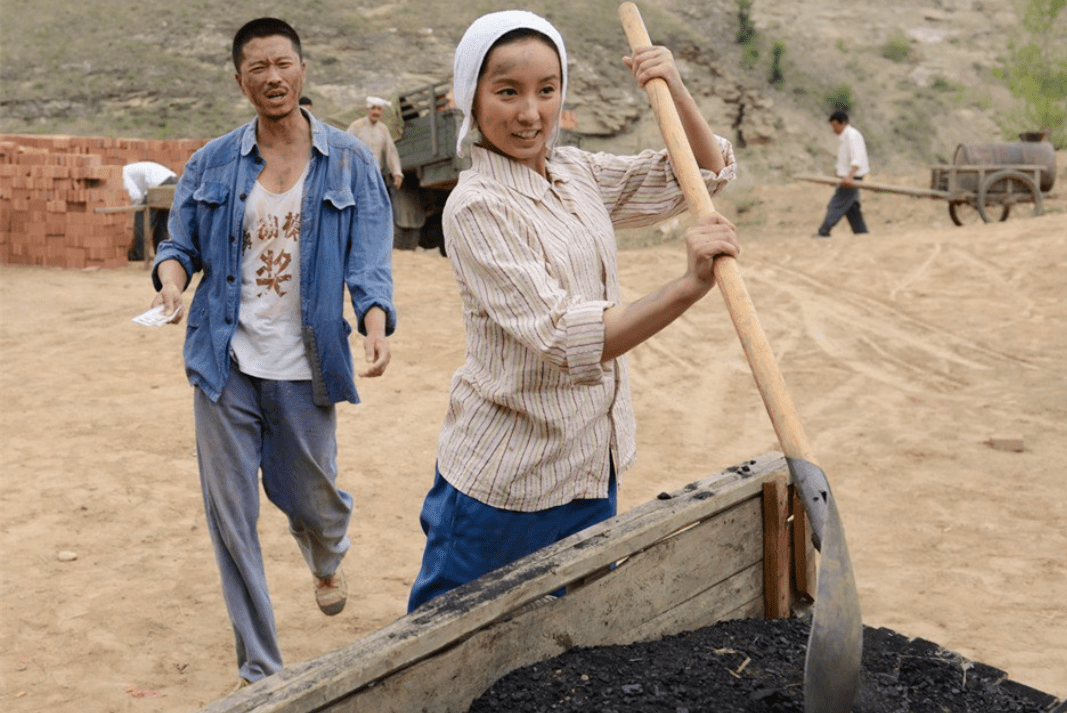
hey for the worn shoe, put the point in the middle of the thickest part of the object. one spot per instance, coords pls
(242, 682)
(331, 593)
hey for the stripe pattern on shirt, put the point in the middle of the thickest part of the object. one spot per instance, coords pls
(533, 413)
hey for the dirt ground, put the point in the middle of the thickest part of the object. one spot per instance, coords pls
(905, 350)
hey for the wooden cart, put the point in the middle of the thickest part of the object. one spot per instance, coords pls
(733, 545)
(986, 192)
(990, 190)
(984, 181)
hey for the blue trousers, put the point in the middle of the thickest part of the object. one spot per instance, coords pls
(466, 538)
(845, 203)
(273, 426)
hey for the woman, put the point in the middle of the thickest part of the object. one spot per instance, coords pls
(540, 413)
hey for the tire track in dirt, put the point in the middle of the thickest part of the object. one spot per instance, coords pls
(847, 325)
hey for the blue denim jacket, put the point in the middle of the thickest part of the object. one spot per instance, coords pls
(346, 237)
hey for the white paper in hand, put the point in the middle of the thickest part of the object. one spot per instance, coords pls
(155, 317)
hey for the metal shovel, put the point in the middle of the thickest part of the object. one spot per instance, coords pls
(832, 665)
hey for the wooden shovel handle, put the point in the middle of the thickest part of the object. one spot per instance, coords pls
(727, 274)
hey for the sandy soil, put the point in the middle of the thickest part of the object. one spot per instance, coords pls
(905, 350)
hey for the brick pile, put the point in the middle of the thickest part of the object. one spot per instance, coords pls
(51, 186)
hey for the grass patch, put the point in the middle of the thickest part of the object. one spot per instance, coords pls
(897, 48)
(942, 84)
(840, 97)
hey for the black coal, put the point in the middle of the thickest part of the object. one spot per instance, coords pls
(755, 666)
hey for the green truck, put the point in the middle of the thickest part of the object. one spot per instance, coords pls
(427, 148)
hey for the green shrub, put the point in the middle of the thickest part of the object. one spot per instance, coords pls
(776, 63)
(744, 205)
(746, 31)
(897, 47)
(840, 97)
(1036, 72)
(943, 85)
(750, 56)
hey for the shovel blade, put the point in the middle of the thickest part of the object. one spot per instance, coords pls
(835, 645)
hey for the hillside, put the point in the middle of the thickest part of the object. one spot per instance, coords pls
(919, 74)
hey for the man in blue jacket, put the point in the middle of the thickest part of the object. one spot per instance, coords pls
(278, 216)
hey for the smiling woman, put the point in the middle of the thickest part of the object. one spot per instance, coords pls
(519, 98)
(540, 420)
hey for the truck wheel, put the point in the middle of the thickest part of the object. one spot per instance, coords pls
(405, 238)
(432, 235)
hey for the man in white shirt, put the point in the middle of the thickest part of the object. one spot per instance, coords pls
(375, 134)
(852, 166)
(137, 178)
(407, 212)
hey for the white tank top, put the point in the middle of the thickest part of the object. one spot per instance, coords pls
(268, 343)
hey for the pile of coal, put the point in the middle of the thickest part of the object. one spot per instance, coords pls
(755, 666)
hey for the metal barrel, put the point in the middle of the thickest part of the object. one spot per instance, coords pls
(1040, 153)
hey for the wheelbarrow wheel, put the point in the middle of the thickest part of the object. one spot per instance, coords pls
(965, 213)
(1006, 189)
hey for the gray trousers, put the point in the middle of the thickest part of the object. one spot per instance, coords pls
(845, 203)
(273, 426)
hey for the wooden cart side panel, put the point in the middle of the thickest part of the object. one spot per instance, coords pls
(457, 615)
(678, 584)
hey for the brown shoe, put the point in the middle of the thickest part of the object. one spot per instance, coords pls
(331, 593)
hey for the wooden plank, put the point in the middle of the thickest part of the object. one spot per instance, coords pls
(119, 209)
(679, 584)
(160, 196)
(776, 549)
(148, 238)
(738, 597)
(878, 187)
(460, 614)
(450, 682)
(803, 551)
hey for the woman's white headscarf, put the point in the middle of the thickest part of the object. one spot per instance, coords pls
(475, 45)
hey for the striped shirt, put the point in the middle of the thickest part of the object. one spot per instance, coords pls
(533, 412)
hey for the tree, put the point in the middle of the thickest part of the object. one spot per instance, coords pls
(1036, 71)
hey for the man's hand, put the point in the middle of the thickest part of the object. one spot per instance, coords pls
(375, 344)
(172, 275)
(377, 349)
(397, 180)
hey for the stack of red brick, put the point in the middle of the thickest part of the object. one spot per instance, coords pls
(51, 186)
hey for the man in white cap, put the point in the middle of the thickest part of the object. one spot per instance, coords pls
(371, 131)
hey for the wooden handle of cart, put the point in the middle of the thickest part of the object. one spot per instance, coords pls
(757, 349)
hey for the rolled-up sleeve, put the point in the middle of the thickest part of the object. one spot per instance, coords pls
(639, 191)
